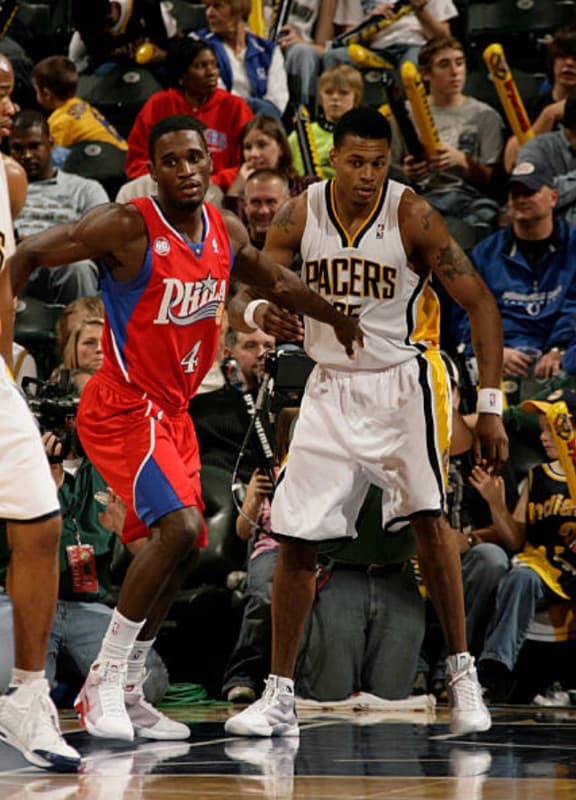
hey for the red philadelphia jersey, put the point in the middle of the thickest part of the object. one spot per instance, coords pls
(162, 327)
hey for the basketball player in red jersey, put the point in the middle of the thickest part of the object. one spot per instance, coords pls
(165, 271)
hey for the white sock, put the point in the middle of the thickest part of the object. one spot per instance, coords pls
(119, 639)
(137, 662)
(457, 661)
(20, 676)
(284, 684)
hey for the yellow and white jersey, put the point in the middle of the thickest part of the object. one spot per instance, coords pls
(366, 274)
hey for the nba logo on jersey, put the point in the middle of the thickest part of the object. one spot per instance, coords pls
(214, 245)
(161, 246)
(380, 230)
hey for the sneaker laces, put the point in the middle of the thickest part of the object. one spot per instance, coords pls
(269, 696)
(467, 692)
(110, 685)
(42, 721)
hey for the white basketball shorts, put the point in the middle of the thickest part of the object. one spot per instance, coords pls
(391, 428)
(27, 490)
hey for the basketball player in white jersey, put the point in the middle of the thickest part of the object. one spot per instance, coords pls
(29, 504)
(369, 245)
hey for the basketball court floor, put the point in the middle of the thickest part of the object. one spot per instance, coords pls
(529, 754)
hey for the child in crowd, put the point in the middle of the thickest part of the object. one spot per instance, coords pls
(541, 533)
(71, 119)
(340, 88)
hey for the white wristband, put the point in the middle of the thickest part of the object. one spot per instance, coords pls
(489, 401)
(249, 312)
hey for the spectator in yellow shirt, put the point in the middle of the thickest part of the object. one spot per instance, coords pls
(71, 119)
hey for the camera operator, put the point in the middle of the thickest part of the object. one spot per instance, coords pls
(221, 417)
(88, 539)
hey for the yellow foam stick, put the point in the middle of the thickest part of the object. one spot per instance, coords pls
(367, 58)
(369, 28)
(416, 94)
(145, 53)
(565, 441)
(508, 93)
(386, 111)
(307, 143)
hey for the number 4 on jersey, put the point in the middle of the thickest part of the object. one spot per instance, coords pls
(190, 360)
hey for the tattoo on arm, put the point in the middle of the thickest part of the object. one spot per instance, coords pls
(426, 219)
(452, 262)
(285, 217)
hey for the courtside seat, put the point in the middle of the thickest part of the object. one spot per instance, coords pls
(34, 329)
(119, 94)
(48, 24)
(190, 16)
(520, 26)
(101, 161)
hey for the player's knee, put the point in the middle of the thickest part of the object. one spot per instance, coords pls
(41, 537)
(180, 531)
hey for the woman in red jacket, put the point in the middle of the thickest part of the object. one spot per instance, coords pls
(193, 71)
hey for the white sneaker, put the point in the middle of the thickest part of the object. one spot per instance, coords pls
(149, 722)
(29, 722)
(274, 760)
(274, 714)
(100, 704)
(468, 712)
(469, 763)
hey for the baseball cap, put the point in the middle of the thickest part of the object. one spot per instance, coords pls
(542, 406)
(531, 176)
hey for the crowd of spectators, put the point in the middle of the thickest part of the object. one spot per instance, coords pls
(519, 201)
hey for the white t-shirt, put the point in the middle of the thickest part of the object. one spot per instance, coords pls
(407, 30)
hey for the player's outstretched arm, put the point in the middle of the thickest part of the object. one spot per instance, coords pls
(111, 229)
(267, 316)
(264, 272)
(431, 248)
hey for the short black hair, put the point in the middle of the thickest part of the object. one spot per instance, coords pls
(181, 54)
(30, 118)
(365, 122)
(176, 122)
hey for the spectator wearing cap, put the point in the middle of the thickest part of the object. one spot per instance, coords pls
(555, 152)
(530, 266)
(541, 534)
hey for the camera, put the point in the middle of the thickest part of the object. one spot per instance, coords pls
(289, 366)
(54, 405)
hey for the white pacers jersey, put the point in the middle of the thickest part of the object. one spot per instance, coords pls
(27, 490)
(366, 275)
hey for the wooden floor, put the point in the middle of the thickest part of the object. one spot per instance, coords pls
(529, 754)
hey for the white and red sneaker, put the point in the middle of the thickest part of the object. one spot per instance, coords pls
(100, 704)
